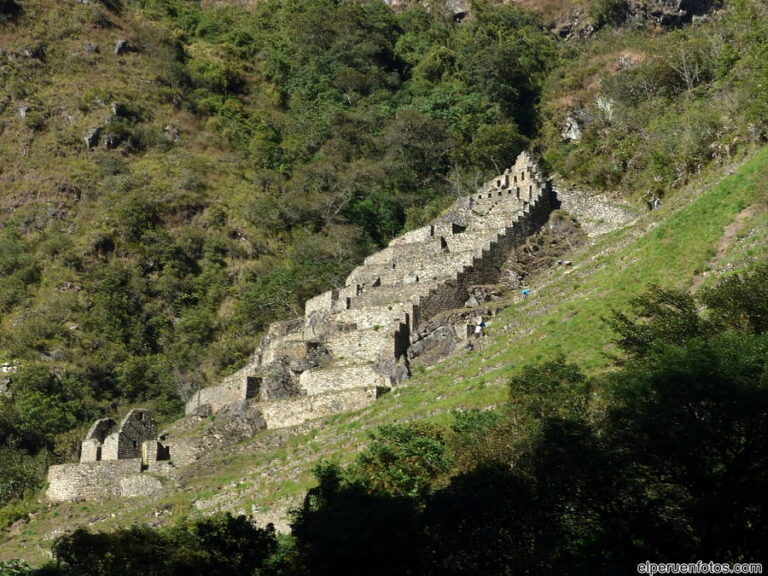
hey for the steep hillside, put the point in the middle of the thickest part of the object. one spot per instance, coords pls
(716, 225)
(176, 175)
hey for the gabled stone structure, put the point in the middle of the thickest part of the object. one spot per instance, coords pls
(113, 460)
(106, 441)
(351, 345)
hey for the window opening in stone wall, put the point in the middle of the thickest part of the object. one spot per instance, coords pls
(349, 303)
(432, 230)
(98, 454)
(443, 244)
(252, 387)
(457, 228)
(135, 444)
(522, 176)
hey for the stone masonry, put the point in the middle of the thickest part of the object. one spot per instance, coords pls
(123, 460)
(351, 345)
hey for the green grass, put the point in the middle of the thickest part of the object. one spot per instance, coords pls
(667, 247)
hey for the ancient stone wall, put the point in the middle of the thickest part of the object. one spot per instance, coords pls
(137, 426)
(91, 448)
(233, 388)
(89, 480)
(112, 461)
(352, 342)
(295, 411)
(596, 214)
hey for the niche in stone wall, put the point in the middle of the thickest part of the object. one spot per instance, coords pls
(457, 228)
(252, 387)
(402, 339)
(163, 452)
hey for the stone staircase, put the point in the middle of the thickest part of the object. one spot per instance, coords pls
(351, 344)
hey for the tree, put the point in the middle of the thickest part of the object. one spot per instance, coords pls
(659, 317)
(495, 147)
(740, 302)
(344, 528)
(692, 424)
(216, 546)
(406, 460)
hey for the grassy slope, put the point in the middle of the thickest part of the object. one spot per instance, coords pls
(270, 472)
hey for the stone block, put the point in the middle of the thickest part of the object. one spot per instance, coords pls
(295, 411)
(140, 485)
(323, 380)
(89, 480)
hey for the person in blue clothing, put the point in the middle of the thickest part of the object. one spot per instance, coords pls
(479, 328)
(525, 292)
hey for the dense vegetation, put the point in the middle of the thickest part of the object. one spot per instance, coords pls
(248, 157)
(268, 152)
(671, 467)
(657, 109)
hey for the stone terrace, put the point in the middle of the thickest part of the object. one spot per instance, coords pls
(351, 344)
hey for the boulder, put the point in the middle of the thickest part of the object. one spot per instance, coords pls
(92, 138)
(571, 130)
(123, 47)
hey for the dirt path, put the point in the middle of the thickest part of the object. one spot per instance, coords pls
(726, 241)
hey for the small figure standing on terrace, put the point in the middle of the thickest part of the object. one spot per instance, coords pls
(526, 292)
(479, 328)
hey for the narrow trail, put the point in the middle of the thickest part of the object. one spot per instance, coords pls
(730, 233)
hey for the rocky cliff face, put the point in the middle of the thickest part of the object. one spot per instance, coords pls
(584, 19)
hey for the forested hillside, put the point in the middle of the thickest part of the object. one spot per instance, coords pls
(176, 176)
(162, 205)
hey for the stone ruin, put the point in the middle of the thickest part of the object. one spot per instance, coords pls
(114, 461)
(352, 343)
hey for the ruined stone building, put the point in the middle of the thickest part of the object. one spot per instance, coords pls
(135, 437)
(113, 461)
(351, 344)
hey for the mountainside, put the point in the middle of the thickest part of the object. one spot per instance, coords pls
(711, 228)
(175, 176)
